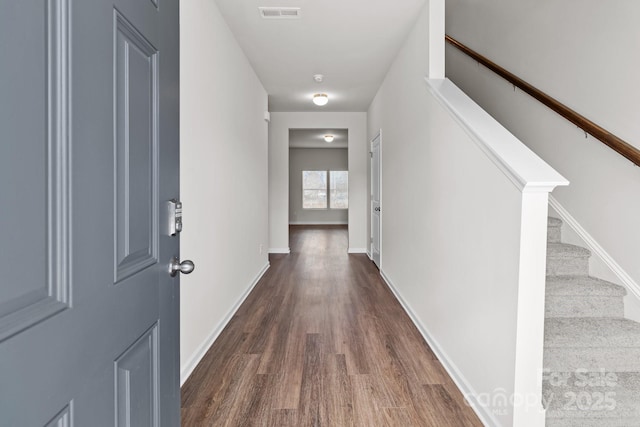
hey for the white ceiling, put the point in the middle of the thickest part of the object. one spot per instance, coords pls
(351, 42)
(314, 138)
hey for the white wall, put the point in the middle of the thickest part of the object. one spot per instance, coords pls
(281, 122)
(223, 176)
(583, 53)
(301, 159)
(463, 245)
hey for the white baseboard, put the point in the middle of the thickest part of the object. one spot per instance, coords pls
(486, 416)
(279, 250)
(190, 365)
(625, 279)
(318, 223)
(357, 250)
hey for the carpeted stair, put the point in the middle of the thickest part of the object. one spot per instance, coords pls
(591, 352)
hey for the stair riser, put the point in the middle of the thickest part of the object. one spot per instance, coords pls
(554, 234)
(614, 359)
(557, 266)
(583, 306)
(579, 422)
(618, 397)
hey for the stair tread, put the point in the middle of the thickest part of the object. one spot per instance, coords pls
(553, 222)
(566, 250)
(594, 422)
(626, 383)
(590, 332)
(582, 285)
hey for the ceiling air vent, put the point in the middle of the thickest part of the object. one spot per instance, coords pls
(280, 12)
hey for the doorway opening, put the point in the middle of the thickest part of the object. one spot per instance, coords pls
(318, 177)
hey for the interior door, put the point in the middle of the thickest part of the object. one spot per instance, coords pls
(88, 158)
(375, 201)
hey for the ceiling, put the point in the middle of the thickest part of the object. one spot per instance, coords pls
(314, 138)
(351, 42)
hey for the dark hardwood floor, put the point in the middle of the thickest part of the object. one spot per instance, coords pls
(321, 341)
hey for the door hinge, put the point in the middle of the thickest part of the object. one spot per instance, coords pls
(371, 154)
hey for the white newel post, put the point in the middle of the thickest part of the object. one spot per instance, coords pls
(528, 410)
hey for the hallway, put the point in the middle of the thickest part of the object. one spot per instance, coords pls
(321, 341)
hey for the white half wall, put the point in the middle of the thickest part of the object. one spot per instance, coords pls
(464, 234)
(223, 162)
(281, 122)
(583, 53)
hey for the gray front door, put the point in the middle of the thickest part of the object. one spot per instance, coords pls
(88, 157)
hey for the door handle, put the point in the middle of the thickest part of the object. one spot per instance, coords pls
(377, 209)
(184, 267)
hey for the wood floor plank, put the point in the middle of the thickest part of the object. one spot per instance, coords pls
(229, 401)
(311, 386)
(365, 394)
(322, 342)
(337, 392)
(219, 357)
(283, 418)
(401, 417)
(289, 369)
(442, 410)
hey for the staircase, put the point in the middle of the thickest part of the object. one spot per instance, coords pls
(591, 353)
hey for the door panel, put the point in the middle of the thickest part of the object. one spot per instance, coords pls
(89, 124)
(137, 383)
(34, 91)
(62, 419)
(136, 150)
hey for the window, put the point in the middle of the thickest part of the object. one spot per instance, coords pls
(314, 189)
(322, 189)
(339, 185)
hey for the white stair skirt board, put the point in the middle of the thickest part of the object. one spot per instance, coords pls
(357, 250)
(188, 367)
(625, 279)
(487, 417)
(279, 250)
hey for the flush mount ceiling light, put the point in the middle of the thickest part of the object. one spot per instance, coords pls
(328, 138)
(320, 99)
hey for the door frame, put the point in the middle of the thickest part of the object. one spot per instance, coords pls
(328, 170)
(377, 136)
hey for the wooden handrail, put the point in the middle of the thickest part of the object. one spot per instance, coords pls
(617, 144)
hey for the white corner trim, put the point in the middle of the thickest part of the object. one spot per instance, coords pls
(357, 250)
(436, 39)
(523, 167)
(485, 415)
(625, 279)
(191, 364)
(279, 250)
